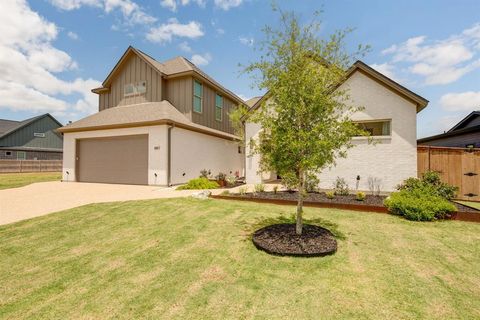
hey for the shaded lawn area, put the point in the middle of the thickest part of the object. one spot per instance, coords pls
(15, 180)
(193, 259)
(475, 205)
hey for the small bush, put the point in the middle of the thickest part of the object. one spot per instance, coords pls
(231, 180)
(204, 173)
(225, 193)
(430, 183)
(330, 194)
(418, 205)
(275, 189)
(259, 187)
(199, 183)
(340, 187)
(361, 196)
(220, 176)
(242, 190)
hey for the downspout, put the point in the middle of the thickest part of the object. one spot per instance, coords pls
(169, 155)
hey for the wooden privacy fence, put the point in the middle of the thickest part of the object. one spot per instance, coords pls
(457, 166)
(12, 166)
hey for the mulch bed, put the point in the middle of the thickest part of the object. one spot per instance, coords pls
(281, 239)
(369, 203)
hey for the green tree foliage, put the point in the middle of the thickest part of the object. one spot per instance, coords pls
(306, 119)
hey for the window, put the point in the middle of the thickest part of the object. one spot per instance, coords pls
(21, 155)
(376, 128)
(139, 87)
(39, 134)
(218, 107)
(197, 96)
(8, 153)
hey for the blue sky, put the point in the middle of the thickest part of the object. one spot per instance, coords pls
(52, 52)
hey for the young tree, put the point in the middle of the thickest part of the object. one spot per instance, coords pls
(306, 118)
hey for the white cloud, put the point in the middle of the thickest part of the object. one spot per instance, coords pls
(72, 35)
(227, 4)
(174, 4)
(201, 60)
(248, 41)
(185, 47)
(165, 32)
(463, 101)
(29, 63)
(386, 69)
(132, 13)
(439, 61)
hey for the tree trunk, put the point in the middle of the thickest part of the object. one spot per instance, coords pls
(299, 217)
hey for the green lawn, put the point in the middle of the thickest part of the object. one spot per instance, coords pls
(193, 259)
(15, 180)
(475, 205)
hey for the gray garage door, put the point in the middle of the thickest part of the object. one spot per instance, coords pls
(113, 160)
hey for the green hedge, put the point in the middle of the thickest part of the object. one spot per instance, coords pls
(199, 183)
(419, 206)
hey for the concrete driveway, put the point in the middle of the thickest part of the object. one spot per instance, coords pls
(46, 197)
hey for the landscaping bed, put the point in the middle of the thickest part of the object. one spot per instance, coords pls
(281, 239)
(319, 199)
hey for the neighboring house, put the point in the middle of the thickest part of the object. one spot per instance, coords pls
(390, 113)
(32, 139)
(159, 123)
(465, 134)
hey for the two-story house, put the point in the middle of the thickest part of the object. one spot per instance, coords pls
(31, 139)
(159, 123)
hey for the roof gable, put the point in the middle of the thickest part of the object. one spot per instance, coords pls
(17, 125)
(470, 120)
(360, 66)
(178, 66)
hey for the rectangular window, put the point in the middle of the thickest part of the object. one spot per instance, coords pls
(376, 128)
(218, 107)
(8, 153)
(21, 155)
(131, 89)
(197, 96)
(39, 134)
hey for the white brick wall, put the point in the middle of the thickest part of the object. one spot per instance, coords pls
(391, 160)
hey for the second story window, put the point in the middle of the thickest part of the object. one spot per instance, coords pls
(218, 107)
(131, 89)
(197, 96)
(376, 128)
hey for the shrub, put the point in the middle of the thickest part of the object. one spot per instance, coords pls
(275, 189)
(259, 187)
(340, 187)
(231, 180)
(330, 194)
(199, 183)
(225, 193)
(242, 190)
(220, 176)
(204, 173)
(361, 196)
(311, 183)
(430, 183)
(418, 205)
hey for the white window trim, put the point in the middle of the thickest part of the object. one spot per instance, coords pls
(383, 137)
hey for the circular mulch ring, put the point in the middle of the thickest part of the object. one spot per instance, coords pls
(281, 239)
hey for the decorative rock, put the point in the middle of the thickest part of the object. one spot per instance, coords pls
(202, 195)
